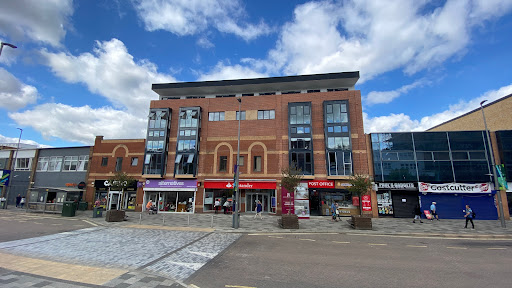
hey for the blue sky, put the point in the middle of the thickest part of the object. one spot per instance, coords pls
(82, 66)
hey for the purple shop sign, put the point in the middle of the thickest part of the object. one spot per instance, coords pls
(170, 183)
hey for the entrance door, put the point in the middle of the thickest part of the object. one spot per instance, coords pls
(250, 202)
(404, 203)
(114, 199)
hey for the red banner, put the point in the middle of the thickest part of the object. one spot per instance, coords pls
(355, 201)
(243, 185)
(366, 202)
(320, 184)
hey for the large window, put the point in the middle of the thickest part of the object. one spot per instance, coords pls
(119, 164)
(70, 163)
(266, 114)
(257, 164)
(42, 164)
(337, 138)
(187, 147)
(216, 116)
(223, 164)
(504, 139)
(23, 164)
(238, 115)
(184, 163)
(55, 164)
(300, 134)
(156, 142)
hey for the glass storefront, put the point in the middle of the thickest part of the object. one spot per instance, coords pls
(174, 201)
(322, 199)
(210, 195)
(384, 203)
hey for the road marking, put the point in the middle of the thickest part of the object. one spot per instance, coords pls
(38, 223)
(377, 244)
(193, 286)
(89, 222)
(307, 239)
(276, 237)
(417, 246)
(497, 248)
(341, 242)
(56, 224)
(460, 248)
(428, 237)
(236, 286)
(312, 233)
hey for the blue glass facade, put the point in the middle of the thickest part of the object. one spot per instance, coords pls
(434, 157)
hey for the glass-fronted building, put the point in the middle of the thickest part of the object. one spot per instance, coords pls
(417, 168)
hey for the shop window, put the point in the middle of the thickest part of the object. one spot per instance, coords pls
(223, 164)
(257, 164)
(135, 161)
(42, 164)
(104, 161)
(119, 163)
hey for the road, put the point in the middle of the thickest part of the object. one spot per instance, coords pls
(336, 260)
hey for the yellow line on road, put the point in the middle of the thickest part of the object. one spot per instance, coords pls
(497, 248)
(341, 242)
(417, 246)
(193, 286)
(377, 244)
(63, 271)
(275, 237)
(307, 239)
(460, 248)
(89, 222)
(236, 286)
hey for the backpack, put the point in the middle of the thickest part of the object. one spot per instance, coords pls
(473, 214)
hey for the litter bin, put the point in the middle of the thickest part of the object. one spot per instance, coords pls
(68, 209)
(97, 212)
(82, 206)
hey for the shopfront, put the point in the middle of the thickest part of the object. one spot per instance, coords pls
(452, 198)
(397, 199)
(322, 193)
(109, 199)
(251, 192)
(171, 195)
(51, 200)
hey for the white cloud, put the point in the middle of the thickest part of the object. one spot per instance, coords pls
(14, 94)
(402, 122)
(14, 141)
(40, 21)
(112, 73)
(223, 72)
(380, 97)
(205, 43)
(81, 124)
(189, 17)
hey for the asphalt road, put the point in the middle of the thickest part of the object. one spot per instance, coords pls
(15, 225)
(323, 260)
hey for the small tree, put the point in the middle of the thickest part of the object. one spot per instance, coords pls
(120, 181)
(361, 184)
(291, 178)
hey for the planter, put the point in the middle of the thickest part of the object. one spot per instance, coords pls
(361, 222)
(288, 221)
(115, 216)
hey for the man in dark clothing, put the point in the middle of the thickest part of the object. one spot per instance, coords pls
(417, 214)
(18, 200)
(469, 216)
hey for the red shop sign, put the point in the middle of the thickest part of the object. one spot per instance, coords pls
(366, 203)
(243, 185)
(320, 184)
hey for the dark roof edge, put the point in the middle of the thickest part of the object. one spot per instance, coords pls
(353, 74)
(470, 112)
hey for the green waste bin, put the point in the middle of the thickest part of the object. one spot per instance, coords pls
(68, 209)
(82, 206)
(97, 212)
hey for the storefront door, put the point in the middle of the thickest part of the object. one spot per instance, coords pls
(404, 203)
(114, 199)
(250, 202)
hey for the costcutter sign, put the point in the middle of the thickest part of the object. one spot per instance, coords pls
(242, 185)
(320, 184)
(170, 183)
(454, 188)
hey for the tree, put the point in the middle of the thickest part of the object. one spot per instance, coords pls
(119, 182)
(291, 178)
(361, 184)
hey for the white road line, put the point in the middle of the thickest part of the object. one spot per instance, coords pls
(497, 248)
(275, 237)
(236, 286)
(341, 242)
(460, 248)
(312, 233)
(428, 237)
(89, 222)
(307, 239)
(417, 246)
(377, 244)
(193, 286)
(56, 224)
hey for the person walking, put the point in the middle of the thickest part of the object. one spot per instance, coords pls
(469, 216)
(18, 199)
(334, 207)
(259, 208)
(149, 206)
(417, 214)
(22, 202)
(433, 211)
(217, 205)
(226, 206)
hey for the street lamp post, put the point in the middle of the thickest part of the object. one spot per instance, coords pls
(494, 174)
(13, 165)
(6, 44)
(236, 220)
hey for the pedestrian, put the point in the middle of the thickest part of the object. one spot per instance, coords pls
(469, 216)
(217, 205)
(433, 211)
(334, 207)
(226, 206)
(259, 208)
(18, 200)
(149, 206)
(417, 214)
(22, 202)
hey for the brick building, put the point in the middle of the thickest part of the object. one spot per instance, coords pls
(312, 121)
(107, 158)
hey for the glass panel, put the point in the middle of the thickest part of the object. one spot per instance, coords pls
(293, 110)
(300, 130)
(477, 155)
(441, 156)
(339, 142)
(460, 156)
(471, 171)
(344, 117)
(221, 116)
(307, 130)
(329, 118)
(405, 156)
(272, 114)
(329, 109)
(435, 171)
(337, 129)
(344, 129)
(423, 156)
(386, 156)
(467, 140)
(260, 114)
(330, 129)
(396, 141)
(336, 112)
(399, 171)
(431, 141)
(266, 114)
(330, 143)
(190, 158)
(343, 108)
(151, 123)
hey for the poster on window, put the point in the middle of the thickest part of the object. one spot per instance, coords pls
(384, 203)
(301, 203)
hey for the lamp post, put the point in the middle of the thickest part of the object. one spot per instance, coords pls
(13, 165)
(6, 44)
(494, 174)
(236, 220)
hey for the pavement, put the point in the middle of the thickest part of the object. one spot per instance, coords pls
(163, 250)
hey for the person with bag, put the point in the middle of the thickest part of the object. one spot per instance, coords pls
(469, 216)
(22, 202)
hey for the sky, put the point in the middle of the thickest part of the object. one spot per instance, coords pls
(85, 68)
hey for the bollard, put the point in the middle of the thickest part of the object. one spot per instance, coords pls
(212, 222)
(188, 220)
(163, 219)
(140, 218)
